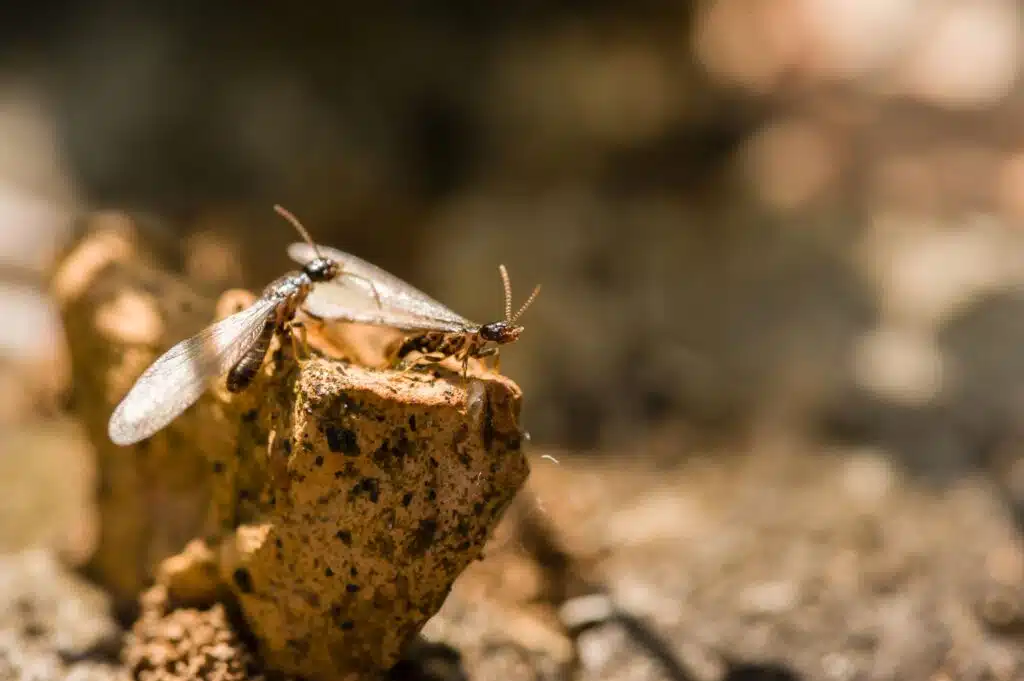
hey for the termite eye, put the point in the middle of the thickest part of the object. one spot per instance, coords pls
(321, 269)
(495, 331)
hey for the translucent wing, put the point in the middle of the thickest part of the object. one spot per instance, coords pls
(180, 376)
(352, 298)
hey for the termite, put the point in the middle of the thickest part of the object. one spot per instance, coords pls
(236, 345)
(380, 298)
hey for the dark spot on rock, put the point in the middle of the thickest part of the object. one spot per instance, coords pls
(432, 495)
(391, 453)
(313, 600)
(243, 580)
(287, 445)
(243, 495)
(185, 306)
(352, 588)
(488, 426)
(336, 612)
(250, 415)
(368, 486)
(328, 572)
(423, 537)
(514, 443)
(434, 463)
(342, 440)
(464, 460)
(319, 461)
(218, 466)
(347, 625)
(353, 571)
(412, 422)
(279, 543)
(338, 475)
(478, 508)
(345, 536)
(307, 446)
(384, 545)
(407, 499)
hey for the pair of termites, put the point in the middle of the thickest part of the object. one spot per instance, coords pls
(332, 286)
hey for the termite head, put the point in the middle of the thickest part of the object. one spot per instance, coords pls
(321, 269)
(500, 332)
(507, 331)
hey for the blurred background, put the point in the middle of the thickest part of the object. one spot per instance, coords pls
(801, 210)
(748, 216)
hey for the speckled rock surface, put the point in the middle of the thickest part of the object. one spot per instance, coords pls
(338, 502)
(377, 491)
(54, 625)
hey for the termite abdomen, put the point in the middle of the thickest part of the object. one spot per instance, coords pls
(242, 374)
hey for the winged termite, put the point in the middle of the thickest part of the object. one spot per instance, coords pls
(380, 298)
(236, 345)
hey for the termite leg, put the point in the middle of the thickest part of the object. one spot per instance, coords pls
(422, 360)
(300, 340)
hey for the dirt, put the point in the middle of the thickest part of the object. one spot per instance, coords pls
(778, 564)
(789, 562)
(54, 624)
(186, 643)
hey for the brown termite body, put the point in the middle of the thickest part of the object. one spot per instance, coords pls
(465, 344)
(379, 297)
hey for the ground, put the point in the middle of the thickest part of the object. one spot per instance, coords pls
(783, 561)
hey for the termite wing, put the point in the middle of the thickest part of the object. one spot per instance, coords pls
(375, 296)
(235, 346)
(179, 377)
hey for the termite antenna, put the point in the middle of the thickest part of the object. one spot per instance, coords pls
(508, 293)
(517, 315)
(287, 215)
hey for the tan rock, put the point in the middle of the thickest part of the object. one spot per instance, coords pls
(341, 501)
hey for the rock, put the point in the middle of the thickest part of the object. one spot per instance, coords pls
(340, 500)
